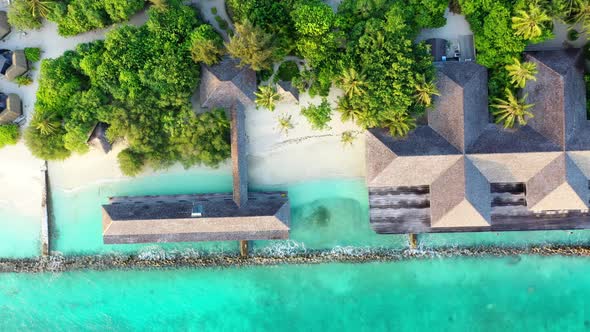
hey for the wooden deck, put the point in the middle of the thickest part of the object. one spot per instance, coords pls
(402, 210)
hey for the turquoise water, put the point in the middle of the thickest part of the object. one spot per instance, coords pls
(508, 294)
(19, 235)
(325, 214)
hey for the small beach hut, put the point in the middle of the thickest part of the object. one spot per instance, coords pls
(97, 138)
(10, 108)
(13, 64)
(4, 25)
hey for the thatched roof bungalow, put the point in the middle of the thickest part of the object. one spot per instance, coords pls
(10, 108)
(210, 217)
(462, 173)
(188, 218)
(18, 65)
(226, 84)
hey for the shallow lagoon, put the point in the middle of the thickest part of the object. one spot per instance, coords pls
(502, 294)
(326, 214)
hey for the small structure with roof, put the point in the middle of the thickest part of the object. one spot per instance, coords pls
(10, 108)
(13, 64)
(461, 173)
(226, 83)
(288, 92)
(97, 138)
(4, 25)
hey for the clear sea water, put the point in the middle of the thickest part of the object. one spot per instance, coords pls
(505, 294)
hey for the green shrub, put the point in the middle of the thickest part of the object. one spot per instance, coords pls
(206, 45)
(33, 54)
(85, 15)
(23, 17)
(288, 70)
(573, 35)
(222, 23)
(23, 80)
(214, 10)
(9, 135)
(130, 162)
(318, 115)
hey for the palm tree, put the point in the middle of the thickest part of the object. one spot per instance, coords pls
(521, 72)
(40, 8)
(399, 124)
(425, 91)
(530, 25)
(46, 123)
(160, 5)
(266, 97)
(512, 110)
(285, 123)
(348, 137)
(347, 110)
(352, 82)
(581, 8)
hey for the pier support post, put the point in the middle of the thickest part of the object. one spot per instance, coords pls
(244, 250)
(413, 238)
(44, 211)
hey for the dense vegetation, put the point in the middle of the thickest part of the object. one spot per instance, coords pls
(366, 47)
(139, 80)
(9, 135)
(503, 28)
(72, 16)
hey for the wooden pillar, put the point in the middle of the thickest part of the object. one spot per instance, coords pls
(44, 211)
(244, 248)
(413, 238)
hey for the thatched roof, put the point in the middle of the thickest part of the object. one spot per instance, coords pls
(559, 95)
(461, 157)
(98, 139)
(460, 197)
(4, 25)
(19, 65)
(288, 92)
(560, 185)
(168, 218)
(460, 113)
(496, 139)
(225, 84)
(239, 155)
(12, 108)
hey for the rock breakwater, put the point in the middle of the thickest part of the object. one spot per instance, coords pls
(194, 260)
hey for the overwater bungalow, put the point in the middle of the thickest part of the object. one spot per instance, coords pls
(460, 172)
(10, 108)
(210, 217)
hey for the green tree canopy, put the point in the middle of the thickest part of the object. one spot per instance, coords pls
(206, 45)
(252, 45)
(139, 80)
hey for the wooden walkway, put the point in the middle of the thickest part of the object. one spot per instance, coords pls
(402, 210)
